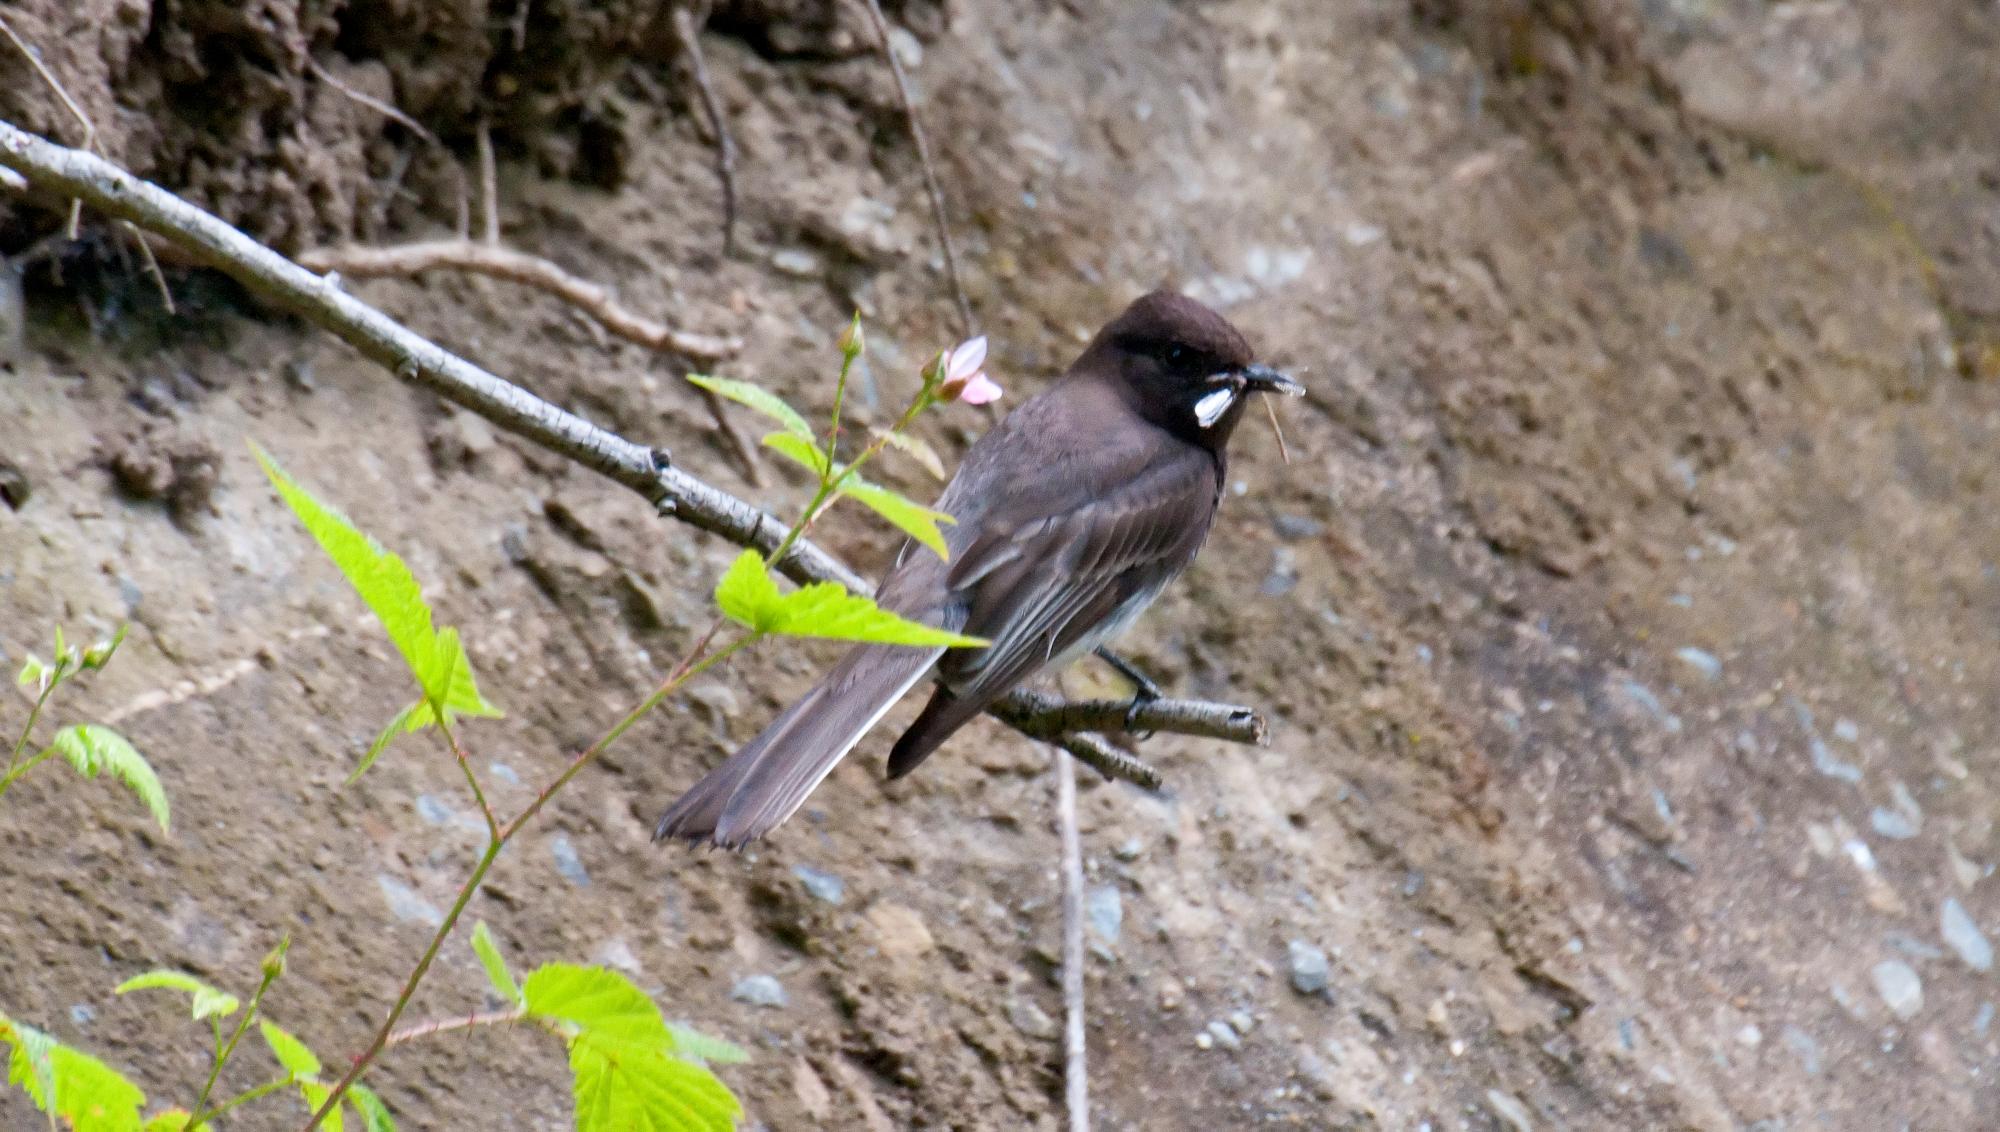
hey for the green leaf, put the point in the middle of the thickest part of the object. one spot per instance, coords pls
(92, 750)
(290, 1052)
(32, 672)
(915, 448)
(695, 1045)
(391, 592)
(907, 515)
(596, 1001)
(490, 958)
(801, 449)
(374, 1114)
(315, 1094)
(760, 399)
(746, 593)
(75, 1086)
(824, 610)
(208, 1001)
(168, 1120)
(622, 1089)
(827, 610)
(411, 718)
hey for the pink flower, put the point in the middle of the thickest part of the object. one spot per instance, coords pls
(963, 376)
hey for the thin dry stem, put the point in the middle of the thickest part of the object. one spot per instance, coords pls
(489, 189)
(689, 38)
(373, 103)
(55, 84)
(593, 299)
(938, 214)
(1076, 1070)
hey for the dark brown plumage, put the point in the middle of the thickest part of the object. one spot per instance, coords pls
(1072, 514)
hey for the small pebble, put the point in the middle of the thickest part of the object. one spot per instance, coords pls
(1310, 974)
(1105, 913)
(405, 903)
(82, 1014)
(1701, 661)
(1510, 1110)
(568, 863)
(1223, 1035)
(1203, 1041)
(1802, 1044)
(759, 990)
(824, 886)
(1241, 1022)
(1964, 936)
(1901, 990)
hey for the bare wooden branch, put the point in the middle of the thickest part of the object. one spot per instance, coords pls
(1044, 716)
(320, 300)
(938, 214)
(594, 299)
(1091, 750)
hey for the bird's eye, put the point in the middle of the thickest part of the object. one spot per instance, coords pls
(1175, 353)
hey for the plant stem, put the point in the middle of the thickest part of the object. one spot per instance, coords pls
(447, 1025)
(263, 1090)
(16, 772)
(228, 1048)
(691, 665)
(471, 779)
(417, 973)
(27, 730)
(685, 672)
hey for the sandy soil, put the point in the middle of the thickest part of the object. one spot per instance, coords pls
(1624, 614)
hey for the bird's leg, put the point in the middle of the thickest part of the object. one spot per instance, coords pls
(1144, 690)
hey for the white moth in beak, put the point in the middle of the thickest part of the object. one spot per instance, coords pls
(1212, 405)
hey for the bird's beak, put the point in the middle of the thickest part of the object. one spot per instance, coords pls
(1261, 378)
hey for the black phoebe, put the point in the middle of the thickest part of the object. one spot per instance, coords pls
(1073, 513)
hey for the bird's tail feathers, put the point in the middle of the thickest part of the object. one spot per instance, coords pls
(760, 786)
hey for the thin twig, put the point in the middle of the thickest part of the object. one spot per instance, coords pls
(489, 189)
(1107, 760)
(1076, 1072)
(373, 103)
(739, 442)
(689, 38)
(152, 264)
(593, 299)
(447, 1025)
(938, 214)
(89, 128)
(421, 362)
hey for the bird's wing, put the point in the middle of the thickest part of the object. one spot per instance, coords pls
(1036, 585)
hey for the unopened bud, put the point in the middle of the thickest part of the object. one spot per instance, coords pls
(852, 341)
(274, 961)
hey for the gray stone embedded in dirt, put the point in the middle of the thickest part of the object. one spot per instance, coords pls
(1030, 1018)
(405, 903)
(1964, 936)
(797, 261)
(825, 886)
(1901, 990)
(1701, 660)
(568, 863)
(1310, 972)
(759, 990)
(1223, 1034)
(1510, 1110)
(1105, 911)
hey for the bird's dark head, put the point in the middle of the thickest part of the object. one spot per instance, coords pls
(1182, 366)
